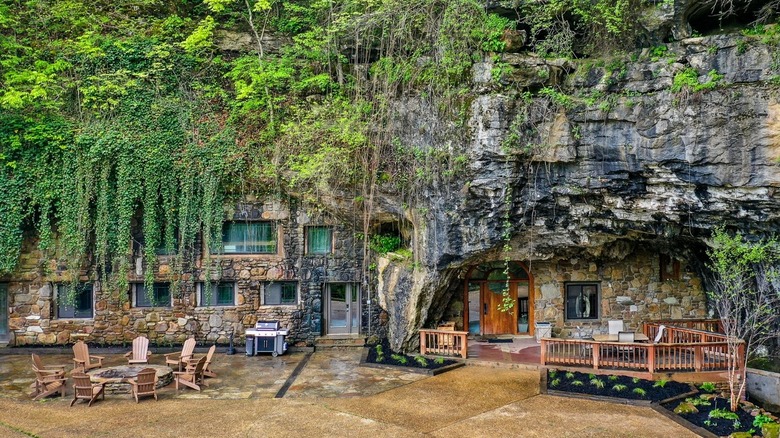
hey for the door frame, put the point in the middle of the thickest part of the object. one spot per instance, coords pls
(514, 283)
(350, 328)
(4, 337)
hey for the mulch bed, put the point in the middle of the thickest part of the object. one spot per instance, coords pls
(391, 358)
(614, 386)
(718, 426)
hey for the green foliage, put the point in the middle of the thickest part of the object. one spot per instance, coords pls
(698, 401)
(612, 378)
(560, 99)
(439, 360)
(400, 358)
(382, 243)
(726, 415)
(708, 387)
(576, 383)
(552, 373)
(619, 387)
(660, 383)
(555, 382)
(762, 419)
(598, 383)
(688, 79)
(639, 391)
(421, 360)
(635, 380)
(569, 375)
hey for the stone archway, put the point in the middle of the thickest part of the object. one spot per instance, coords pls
(487, 288)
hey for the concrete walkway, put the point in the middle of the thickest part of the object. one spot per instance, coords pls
(332, 396)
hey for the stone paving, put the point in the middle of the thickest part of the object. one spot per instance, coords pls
(332, 396)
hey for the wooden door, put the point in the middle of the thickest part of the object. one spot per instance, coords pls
(494, 321)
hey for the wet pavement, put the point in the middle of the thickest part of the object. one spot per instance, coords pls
(330, 396)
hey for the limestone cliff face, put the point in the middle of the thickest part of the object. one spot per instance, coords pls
(622, 162)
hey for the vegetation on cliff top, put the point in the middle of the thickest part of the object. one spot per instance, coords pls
(123, 114)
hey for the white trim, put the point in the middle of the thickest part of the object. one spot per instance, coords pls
(297, 293)
(199, 294)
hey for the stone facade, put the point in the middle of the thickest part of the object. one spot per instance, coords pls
(630, 289)
(33, 299)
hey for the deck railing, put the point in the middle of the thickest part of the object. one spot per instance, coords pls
(707, 325)
(679, 349)
(444, 342)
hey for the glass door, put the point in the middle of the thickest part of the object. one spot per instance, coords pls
(343, 308)
(3, 312)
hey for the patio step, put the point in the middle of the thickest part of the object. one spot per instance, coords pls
(340, 341)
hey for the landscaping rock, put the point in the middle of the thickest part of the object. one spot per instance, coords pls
(685, 408)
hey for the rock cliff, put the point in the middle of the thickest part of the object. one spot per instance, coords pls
(611, 154)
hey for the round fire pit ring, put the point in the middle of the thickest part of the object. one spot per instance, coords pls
(117, 378)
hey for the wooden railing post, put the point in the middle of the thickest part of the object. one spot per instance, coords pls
(543, 352)
(596, 354)
(423, 344)
(698, 357)
(651, 358)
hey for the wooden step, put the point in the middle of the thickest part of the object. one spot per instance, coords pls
(340, 341)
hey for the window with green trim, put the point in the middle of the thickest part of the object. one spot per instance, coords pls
(160, 296)
(280, 293)
(318, 240)
(222, 294)
(249, 238)
(82, 302)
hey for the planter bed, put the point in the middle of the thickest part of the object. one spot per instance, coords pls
(615, 386)
(711, 412)
(404, 362)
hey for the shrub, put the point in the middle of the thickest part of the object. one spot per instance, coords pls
(761, 420)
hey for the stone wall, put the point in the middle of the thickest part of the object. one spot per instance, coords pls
(32, 297)
(631, 290)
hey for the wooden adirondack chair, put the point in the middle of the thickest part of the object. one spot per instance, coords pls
(192, 376)
(83, 389)
(48, 382)
(206, 368)
(179, 360)
(145, 384)
(37, 363)
(83, 359)
(140, 353)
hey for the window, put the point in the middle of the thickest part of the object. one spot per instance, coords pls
(318, 240)
(249, 238)
(160, 296)
(582, 301)
(74, 301)
(669, 268)
(222, 294)
(280, 293)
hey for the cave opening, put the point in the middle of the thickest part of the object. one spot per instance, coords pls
(711, 17)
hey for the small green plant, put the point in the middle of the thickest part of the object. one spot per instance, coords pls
(741, 47)
(660, 383)
(707, 387)
(382, 244)
(569, 375)
(640, 392)
(698, 401)
(400, 358)
(552, 373)
(591, 376)
(635, 380)
(558, 98)
(612, 378)
(726, 415)
(438, 360)
(555, 382)
(576, 383)
(658, 52)
(710, 423)
(619, 387)
(421, 360)
(761, 420)
(688, 79)
(598, 383)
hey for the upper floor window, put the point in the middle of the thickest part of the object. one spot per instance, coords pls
(318, 240)
(75, 301)
(669, 268)
(222, 294)
(249, 238)
(160, 295)
(280, 293)
(582, 301)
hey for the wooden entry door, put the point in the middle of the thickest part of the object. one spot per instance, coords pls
(493, 320)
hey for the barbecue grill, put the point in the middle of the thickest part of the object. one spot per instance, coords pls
(266, 337)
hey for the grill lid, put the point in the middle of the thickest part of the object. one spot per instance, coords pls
(267, 325)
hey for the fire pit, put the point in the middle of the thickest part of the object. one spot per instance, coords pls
(117, 379)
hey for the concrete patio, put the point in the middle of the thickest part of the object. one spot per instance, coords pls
(330, 396)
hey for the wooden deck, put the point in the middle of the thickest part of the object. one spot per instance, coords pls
(680, 350)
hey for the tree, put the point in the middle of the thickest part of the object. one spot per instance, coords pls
(745, 292)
